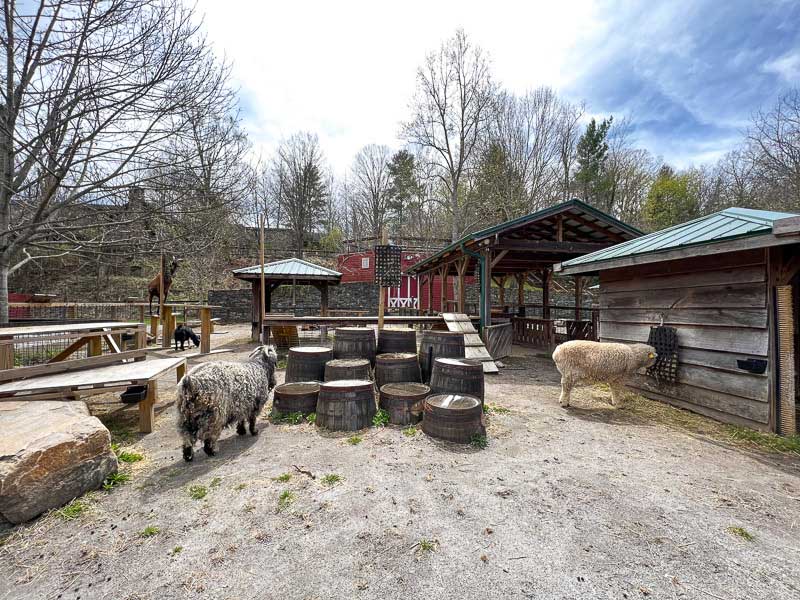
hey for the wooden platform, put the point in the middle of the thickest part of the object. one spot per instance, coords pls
(99, 380)
(270, 320)
(473, 344)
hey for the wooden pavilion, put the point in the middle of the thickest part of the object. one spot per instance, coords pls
(291, 271)
(528, 245)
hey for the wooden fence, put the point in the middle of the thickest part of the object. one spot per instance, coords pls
(546, 334)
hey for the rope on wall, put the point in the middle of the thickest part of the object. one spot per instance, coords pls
(786, 409)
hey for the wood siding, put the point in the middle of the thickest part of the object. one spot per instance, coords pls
(719, 306)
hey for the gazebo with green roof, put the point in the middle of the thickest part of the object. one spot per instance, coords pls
(293, 271)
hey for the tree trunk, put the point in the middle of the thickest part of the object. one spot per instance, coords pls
(454, 230)
(4, 267)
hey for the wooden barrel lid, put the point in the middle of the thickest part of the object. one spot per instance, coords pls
(310, 349)
(348, 362)
(342, 385)
(298, 387)
(435, 333)
(459, 362)
(355, 329)
(453, 401)
(406, 388)
(396, 356)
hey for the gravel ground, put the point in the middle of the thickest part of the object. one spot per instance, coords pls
(590, 502)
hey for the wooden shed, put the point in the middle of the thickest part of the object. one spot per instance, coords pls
(728, 283)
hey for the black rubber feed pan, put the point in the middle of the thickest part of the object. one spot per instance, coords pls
(753, 365)
(134, 394)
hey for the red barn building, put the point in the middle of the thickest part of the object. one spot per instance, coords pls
(359, 267)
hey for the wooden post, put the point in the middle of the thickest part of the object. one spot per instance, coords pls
(164, 322)
(323, 299)
(205, 330)
(502, 291)
(263, 305)
(521, 279)
(546, 275)
(141, 313)
(578, 296)
(154, 320)
(486, 288)
(167, 323)
(255, 332)
(147, 412)
(430, 292)
(7, 355)
(95, 345)
(462, 291)
(443, 290)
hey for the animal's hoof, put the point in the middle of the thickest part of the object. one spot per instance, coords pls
(254, 432)
(240, 429)
(209, 449)
(188, 454)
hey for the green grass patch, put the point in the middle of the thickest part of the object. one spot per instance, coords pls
(240, 487)
(293, 418)
(410, 431)
(149, 531)
(176, 550)
(115, 480)
(282, 362)
(494, 409)
(285, 499)
(312, 418)
(742, 533)
(283, 478)
(198, 492)
(125, 456)
(381, 418)
(789, 444)
(73, 510)
(354, 440)
(215, 482)
(478, 441)
(426, 545)
(331, 479)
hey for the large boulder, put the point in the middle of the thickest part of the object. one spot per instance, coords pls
(50, 453)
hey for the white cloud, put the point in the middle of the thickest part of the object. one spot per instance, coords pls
(787, 66)
(346, 70)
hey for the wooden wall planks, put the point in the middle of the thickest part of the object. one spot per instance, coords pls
(719, 307)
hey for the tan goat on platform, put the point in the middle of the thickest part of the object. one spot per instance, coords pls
(600, 362)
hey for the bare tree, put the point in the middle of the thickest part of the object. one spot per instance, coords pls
(298, 171)
(567, 134)
(451, 110)
(371, 186)
(91, 94)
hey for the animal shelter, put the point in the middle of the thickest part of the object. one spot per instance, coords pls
(718, 298)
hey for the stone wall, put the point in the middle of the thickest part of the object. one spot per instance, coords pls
(237, 304)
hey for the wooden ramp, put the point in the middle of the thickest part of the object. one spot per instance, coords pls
(473, 344)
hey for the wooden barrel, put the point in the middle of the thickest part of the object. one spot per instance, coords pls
(404, 401)
(453, 417)
(438, 344)
(395, 367)
(354, 342)
(307, 363)
(397, 340)
(457, 376)
(346, 405)
(296, 397)
(347, 368)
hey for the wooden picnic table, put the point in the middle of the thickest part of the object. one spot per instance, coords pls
(79, 334)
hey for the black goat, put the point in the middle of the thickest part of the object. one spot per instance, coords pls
(184, 333)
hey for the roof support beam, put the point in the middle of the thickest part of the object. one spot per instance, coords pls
(542, 246)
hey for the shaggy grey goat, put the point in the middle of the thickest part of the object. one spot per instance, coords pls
(217, 394)
(611, 363)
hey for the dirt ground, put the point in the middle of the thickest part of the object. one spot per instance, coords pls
(589, 502)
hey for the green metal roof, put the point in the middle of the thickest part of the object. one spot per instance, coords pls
(290, 267)
(731, 223)
(575, 205)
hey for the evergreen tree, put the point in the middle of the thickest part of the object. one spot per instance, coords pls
(405, 189)
(592, 151)
(498, 192)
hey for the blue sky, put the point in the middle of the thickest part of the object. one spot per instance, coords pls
(688, 74)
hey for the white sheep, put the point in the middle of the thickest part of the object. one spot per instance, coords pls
(600, 362)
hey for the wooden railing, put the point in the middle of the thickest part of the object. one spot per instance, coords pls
(548, 333)
(536, 333)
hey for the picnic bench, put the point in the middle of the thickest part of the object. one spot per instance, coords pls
(65, 378)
